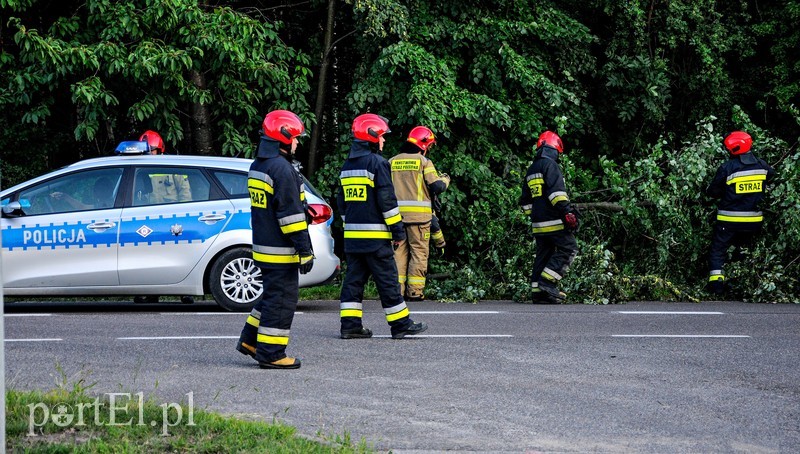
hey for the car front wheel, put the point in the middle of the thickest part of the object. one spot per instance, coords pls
(235, 280)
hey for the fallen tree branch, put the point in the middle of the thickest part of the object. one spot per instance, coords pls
(605, 206)
(612, 206)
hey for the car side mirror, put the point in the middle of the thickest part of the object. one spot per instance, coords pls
(13, 210)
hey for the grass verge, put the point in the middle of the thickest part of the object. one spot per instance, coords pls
(332, 292)
(63, 421)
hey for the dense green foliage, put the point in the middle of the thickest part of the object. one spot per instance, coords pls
(105, 71)
(642, 93)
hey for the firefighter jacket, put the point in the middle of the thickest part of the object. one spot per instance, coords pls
(367, 202)
(170, 188)
(740, 186)
(544, 195)
(416, 181)
(280, 231)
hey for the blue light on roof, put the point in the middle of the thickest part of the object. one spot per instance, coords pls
(133, 147)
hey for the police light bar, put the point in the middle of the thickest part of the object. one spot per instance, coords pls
(133, 147)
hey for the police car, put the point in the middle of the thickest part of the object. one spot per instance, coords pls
(139, 224)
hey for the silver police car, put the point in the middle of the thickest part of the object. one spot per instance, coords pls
(144, 225)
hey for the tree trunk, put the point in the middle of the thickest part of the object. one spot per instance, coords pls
(201, 132)
(316, 131)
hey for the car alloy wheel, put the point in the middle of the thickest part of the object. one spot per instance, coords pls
(236, 280)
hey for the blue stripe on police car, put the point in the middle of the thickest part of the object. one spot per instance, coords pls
(56, 235)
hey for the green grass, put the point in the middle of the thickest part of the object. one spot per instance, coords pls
(209, 433)
(332, 291)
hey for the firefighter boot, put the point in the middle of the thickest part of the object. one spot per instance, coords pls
(283, 363)
(246, 349)
(357, 333)
(549, 294)
(413, 328)
(717, 287)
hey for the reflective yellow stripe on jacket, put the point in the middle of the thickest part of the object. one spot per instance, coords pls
(293, 223)
(392, 216)
(407, 206)
(548, 226)
(367, 231)
(270, 254)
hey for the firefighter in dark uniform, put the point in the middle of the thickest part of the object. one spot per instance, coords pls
(544, 198)
(740, 185)
(373, 227)
(281, 244)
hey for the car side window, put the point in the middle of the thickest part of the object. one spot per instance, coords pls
(160, 185)
(235, 183)
(80, 191)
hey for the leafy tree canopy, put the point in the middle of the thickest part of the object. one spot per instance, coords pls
(642, 93)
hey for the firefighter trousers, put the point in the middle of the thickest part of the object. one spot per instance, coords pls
(412, 259)
(267, 327)
(721, 240)
(380, 265)
(554, 255)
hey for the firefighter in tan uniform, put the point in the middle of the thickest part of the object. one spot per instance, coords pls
(166, 188)
(416, 182)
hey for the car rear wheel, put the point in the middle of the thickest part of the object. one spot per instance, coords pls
(235, 280)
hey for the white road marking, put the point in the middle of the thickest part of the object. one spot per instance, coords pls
(28, 315)
(448, 335)
(456, 312)
(721, 336)
(671, 312)
(241, 314)
(34, 340)
(177, 337)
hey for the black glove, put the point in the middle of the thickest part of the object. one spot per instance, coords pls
(571, 221)
(306, 262)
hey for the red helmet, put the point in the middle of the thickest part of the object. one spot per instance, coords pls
(283, 126)
(370, 127)
(551, 139)
(738, 142)
(154, 141)
(421, 137)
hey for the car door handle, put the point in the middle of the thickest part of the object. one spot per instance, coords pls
(211, 218)
(101, 226)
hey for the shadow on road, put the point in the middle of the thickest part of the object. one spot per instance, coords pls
(168, 304)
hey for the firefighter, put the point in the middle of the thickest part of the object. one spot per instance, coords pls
(281, 244)
(415, 182)
(372, 226)
(740, 184)
(166, 189)
(544, 198)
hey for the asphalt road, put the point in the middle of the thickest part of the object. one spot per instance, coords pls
(491, 377)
